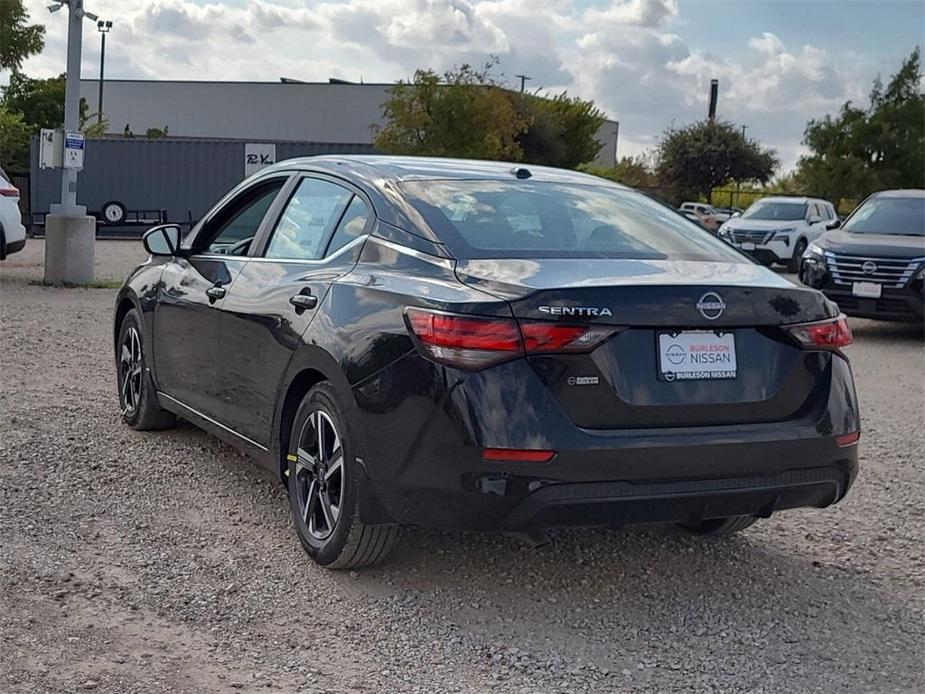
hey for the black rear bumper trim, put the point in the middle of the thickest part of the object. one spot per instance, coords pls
(621, 503)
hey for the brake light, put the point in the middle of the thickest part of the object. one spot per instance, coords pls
(9, 192)
(830, 334)
(474, 342)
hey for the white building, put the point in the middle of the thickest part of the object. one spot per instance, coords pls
(285, 110)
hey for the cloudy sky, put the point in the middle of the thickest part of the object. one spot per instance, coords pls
(647, 63)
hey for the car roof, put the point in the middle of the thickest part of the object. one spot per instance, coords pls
(374, 168)
(792, 198)
(900, 193)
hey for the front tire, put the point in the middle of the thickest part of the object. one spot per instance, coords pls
(323, 493)
(798, 251)
(137, 399)
(719, 527)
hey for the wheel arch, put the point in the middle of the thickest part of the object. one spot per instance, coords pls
(124, 303)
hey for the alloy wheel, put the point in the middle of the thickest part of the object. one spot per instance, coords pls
(319, 473)
(130, 370)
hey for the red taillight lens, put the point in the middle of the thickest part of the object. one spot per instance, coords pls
(9, 192)
(830, 334)
(847, 439)
(474, 342)
(517, 455)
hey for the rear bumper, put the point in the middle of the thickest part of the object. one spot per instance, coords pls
(423, 459)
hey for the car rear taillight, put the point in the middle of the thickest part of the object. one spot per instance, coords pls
(474, 342)
(9, 191)
(517, 455)
(829, 334)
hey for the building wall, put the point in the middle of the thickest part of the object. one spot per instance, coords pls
(321, 112)
(184, 177)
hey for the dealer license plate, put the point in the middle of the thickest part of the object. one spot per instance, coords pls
(696, 355)
(868, 290)
(748, 246)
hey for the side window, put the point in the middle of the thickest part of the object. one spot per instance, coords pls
(234, 227)
(308, 220)
(351, 225)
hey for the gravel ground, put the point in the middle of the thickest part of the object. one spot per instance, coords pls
(165, 562)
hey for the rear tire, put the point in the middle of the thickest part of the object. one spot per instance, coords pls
(137, 399)
(719, 527)
(798, 251)
(323, 487)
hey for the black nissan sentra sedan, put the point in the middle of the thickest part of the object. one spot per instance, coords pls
(490, 346)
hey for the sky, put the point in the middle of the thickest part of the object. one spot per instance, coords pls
(646, 63)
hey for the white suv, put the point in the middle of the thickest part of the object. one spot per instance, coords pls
(12, 232)
(778, 230)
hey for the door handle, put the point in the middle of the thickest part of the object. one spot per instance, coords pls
(215, 293)
(303, 301)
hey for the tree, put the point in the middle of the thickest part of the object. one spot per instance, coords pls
(863, 150)
(18, 39)
(14, 142)
(630, 171)
(707, 154)
(561, 130)
(463, 115)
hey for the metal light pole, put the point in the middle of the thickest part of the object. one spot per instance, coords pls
(70, 235)
(744, 128)
(103, 28)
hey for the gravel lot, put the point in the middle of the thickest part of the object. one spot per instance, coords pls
(165, 562)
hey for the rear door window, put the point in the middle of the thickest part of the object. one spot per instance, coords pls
(308, 220)
(351, 225)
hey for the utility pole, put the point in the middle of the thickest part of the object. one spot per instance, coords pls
(744, 128)
(70, 235)
(103, 28)
(523, 81)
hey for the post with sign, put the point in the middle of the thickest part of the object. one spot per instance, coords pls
(70, 234)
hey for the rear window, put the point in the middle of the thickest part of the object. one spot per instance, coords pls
(903, 216)
(531, 219)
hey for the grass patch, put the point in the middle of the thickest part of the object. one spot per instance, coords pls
(95, 284)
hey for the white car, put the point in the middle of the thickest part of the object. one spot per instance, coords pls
(12, 232)
(778, 229)
(708, 215)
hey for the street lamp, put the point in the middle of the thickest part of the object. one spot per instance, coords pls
(103, 28)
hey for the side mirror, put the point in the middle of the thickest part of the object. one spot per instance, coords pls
(834, 224)
(162, 240)
(735, 214)
(814, 219)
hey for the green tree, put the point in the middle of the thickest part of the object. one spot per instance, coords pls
(464, 114)
(630, 171)
(561, 130)
(14, 142)
(705, 155)
(863, 150)
(18, 38)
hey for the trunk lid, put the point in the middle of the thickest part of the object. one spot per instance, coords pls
(627, 382)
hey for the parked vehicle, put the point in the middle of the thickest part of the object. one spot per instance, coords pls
(730, 212)
(708, 215)
(12, 231)
(469, 345)
(874, 265)
(778, 229)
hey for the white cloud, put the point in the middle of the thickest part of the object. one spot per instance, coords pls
(630, 56)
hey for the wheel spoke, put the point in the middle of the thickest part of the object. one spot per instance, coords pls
(126, 357)
(319, 432)
(336, 465)
(310, 498)
(327, 510)
(304, 460)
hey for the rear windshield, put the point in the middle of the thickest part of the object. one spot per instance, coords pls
(903, 216)
(776, 211)
(530, 219)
